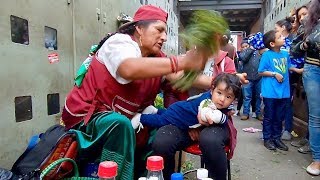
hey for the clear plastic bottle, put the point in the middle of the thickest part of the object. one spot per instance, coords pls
(155, 167)
(176, 176)
(107, 170)
(202, 173)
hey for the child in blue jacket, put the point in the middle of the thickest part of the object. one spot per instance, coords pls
(183, 114)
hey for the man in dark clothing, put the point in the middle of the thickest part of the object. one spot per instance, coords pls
(250, 61)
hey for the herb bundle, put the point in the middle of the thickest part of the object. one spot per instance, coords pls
(203, 31)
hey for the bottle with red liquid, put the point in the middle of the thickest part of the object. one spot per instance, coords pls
(107, 170)
(155, 167)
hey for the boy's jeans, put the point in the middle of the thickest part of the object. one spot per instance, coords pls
(247, 96)
(274, 112)
(311, 83)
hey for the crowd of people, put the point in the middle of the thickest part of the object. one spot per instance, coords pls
(128, 69)
(277, 63)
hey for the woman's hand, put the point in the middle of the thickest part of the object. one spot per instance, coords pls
(194, 59)
(299, 71)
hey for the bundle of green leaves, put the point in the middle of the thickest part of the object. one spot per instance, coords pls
(203, 32)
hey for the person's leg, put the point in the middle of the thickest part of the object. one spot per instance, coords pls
(247, 95)
(288, 120)
(311, 81)
(279, 115)
(108, 136)
(168, 140)
(257, 90)
(267, 123)
(212, 143)
(253, 101)
(239, 104)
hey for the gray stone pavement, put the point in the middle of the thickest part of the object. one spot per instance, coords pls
(252, 161)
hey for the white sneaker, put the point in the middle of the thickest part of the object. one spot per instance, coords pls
(150, 110)
(254, 115)
(315, 172)
(135, 122)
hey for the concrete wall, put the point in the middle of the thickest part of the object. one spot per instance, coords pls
(25, 69)
(279, 10)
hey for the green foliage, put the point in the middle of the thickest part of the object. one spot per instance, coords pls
(185, 82)
(204, 27)
(203, 32)
(187, 166)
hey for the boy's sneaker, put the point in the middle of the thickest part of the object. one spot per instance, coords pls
(280, 145)
(269, 144)
(286, 135)
(254, 115)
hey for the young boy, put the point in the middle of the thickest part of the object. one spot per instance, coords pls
(183, 114)
(274, 69)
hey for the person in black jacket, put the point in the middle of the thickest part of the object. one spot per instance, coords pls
(311, 79)
(250, 59)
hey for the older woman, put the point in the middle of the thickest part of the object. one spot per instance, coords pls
(123, 78)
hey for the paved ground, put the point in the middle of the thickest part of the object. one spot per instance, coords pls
(252, 161)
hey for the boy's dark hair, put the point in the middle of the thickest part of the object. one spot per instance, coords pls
(232, 81)
(269, 37)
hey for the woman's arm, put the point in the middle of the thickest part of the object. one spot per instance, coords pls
(148, 67)
(276, 75)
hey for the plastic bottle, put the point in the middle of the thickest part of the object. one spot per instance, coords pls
(142, 178)
(176, 176)
(107, 170)
(155, 167)
(202, 173)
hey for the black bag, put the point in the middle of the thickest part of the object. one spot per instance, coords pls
(54, 144)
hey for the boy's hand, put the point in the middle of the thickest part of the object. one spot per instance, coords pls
(279, 77)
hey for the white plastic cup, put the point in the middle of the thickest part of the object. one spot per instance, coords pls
(202, 173)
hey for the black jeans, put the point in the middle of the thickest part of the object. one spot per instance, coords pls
(170, 139)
